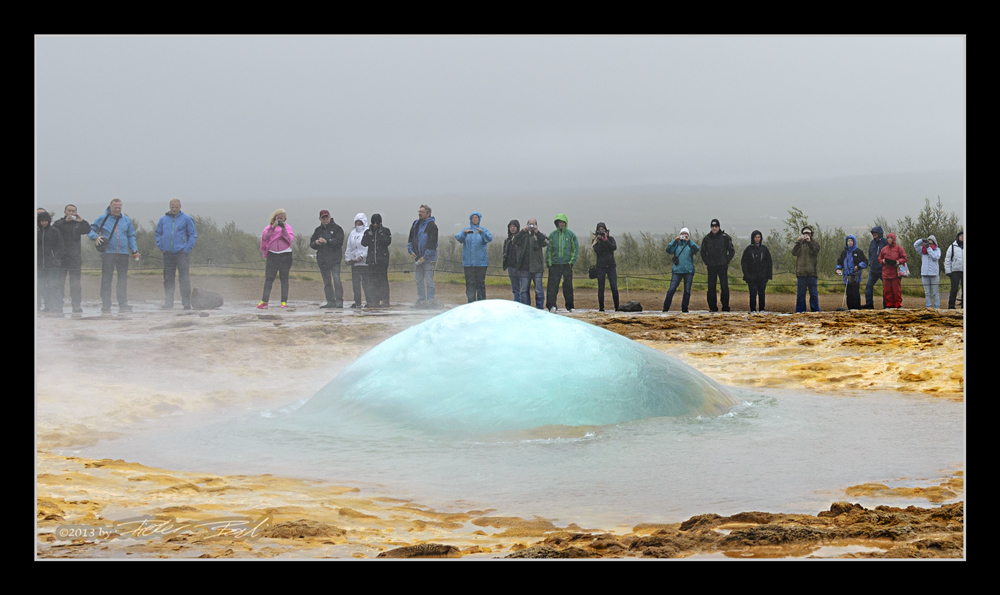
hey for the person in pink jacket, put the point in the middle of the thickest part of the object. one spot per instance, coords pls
(276, 247)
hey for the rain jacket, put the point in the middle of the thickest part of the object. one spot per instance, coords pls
(850, 258)
(328, 254)
(423, 239)
(530, 251)
(563, 246)
(122, 241)
(928, 262)
(50, 245)
(276, 239)
(175, 233)
(377, 241)
(509, 248)
(953, 259)
(71, 232)
(684, 250)
(874, 248)
(354, 248)
(806, 254)
(605, 249)
(892, 252)
(756, 261)
(474, 244)
(717, 249)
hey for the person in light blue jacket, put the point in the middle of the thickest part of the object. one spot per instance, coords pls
(682, 249)
(114, 237)
(930, 269)
(474, 258)
(175, 237)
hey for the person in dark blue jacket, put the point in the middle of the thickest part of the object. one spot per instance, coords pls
(874, 268)
(175, 238)
(850, 264)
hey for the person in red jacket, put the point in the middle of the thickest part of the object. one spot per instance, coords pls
(890, 258)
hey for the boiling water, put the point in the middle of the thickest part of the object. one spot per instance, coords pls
(777, 452)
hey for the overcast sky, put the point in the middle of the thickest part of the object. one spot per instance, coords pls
(229, 118)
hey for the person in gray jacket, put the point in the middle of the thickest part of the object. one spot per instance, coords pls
(930, 257)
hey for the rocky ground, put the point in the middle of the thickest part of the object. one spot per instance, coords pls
(205, 363)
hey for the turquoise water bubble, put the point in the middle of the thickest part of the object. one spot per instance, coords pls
(498, 365)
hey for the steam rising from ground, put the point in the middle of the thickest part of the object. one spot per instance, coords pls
(497, 365)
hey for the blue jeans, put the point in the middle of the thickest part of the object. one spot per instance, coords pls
(804, 283)
(675, 280)
(526, 278)
(931, 290)
(515, 283)
(424, 275)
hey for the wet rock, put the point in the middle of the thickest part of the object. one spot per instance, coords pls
(545, 551)
(422, 550)
(203, 299)
(839, 508)
(302, 529)
(774, 535)
(699, 520)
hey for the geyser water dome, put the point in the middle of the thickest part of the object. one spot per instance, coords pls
(497, 365)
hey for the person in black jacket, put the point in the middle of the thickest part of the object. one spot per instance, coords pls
(71, 227)
(377, 239)
(328, 242)
(756, 265)
(530, 244)
(605, 246)
(510, 258)
(717, 250)
(50, 254)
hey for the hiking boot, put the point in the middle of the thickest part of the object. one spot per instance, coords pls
(125, 308)
(327, 305)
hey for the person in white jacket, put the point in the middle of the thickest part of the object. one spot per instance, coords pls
(954, 267)
(355, 255)
(930, 255)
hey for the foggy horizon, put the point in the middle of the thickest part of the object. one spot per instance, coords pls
(553, 122)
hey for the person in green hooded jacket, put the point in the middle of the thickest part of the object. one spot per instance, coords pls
(560, 256)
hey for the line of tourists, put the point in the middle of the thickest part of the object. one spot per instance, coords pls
(527, 252)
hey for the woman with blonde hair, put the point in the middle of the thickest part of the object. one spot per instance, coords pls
(276, 247)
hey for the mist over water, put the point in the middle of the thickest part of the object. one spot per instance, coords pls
(783, 452)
